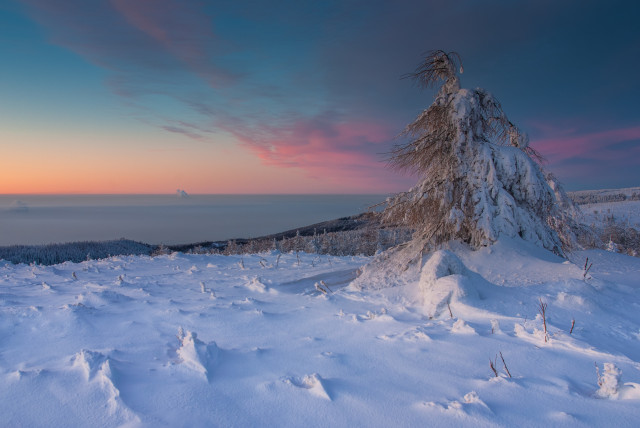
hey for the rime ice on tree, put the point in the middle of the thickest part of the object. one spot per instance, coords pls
(479, 178)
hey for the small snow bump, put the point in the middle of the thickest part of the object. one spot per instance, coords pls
(460, 327)
(313, 383)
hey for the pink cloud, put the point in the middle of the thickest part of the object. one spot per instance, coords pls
(350, 151)
(608, 158)
(593, 145)
(156, 47)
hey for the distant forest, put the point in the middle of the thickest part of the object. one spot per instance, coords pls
(584, 197)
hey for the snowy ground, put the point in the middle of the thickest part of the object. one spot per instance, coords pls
(626, 213)
(200, 340)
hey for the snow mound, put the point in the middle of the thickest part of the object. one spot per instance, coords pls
(312, 383)
(256, 284)
(397, 266)
(195, 354)
(103, 298)
(470, 404)
(444, 279)
(433, 281)
(461, 327)
(536, 336)
(442, 263)
(629, 391)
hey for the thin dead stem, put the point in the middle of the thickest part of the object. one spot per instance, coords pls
(492, 364)
(542, 309)
(505, 365)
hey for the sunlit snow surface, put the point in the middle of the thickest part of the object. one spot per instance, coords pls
(199, 340)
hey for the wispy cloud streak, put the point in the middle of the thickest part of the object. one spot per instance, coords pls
(330, 146)
(586, 160)
(599, 146)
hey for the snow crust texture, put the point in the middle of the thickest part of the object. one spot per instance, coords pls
(204, 340)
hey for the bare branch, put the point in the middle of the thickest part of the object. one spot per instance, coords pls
(437, 65)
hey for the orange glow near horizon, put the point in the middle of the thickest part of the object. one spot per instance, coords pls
(158, 163)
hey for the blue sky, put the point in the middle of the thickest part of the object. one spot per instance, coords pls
(147, 96)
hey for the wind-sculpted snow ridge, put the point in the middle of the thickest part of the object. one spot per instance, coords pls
(140, 341)
(98, 370)
(195, 354)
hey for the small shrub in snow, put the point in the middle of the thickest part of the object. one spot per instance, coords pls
(320, 288)
(493, 365)
(587, 267)
(161, 250)
(612, 234)
(608, 381)
(366, 241)
(325, 286)
(495, 327)
(542, 309)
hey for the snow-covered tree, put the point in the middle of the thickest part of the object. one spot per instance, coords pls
(478, 177)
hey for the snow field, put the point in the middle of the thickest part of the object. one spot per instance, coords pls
(625, 212)
(198, 340)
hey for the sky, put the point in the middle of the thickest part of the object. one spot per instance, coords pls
(150, 96)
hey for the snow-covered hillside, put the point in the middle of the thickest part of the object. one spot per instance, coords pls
(212, 340)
